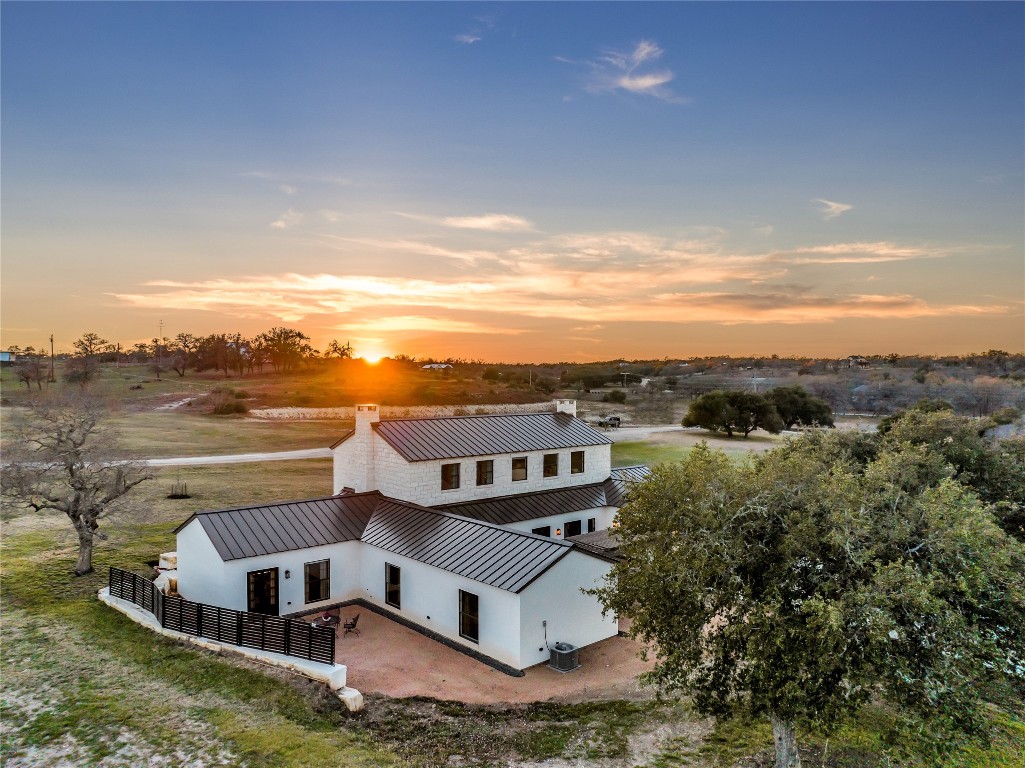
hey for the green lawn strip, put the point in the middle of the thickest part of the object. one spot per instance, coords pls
(632, 452)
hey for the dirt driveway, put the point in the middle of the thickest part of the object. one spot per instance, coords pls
(391, 659)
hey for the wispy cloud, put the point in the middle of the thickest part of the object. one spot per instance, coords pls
(288, 219)
(468, 39)
(421, 324)
(288, 189)
(488, 222)
(633, 71)
(830, 209)
(491, 222)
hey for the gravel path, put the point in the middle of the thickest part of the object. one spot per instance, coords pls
(240, 458)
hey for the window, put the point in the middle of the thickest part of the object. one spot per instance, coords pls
(519, 468)
(572, 528)
(468, 623)
(576, 462)
(485, 472)
(544, 530)
(592, 525)
(449, 477)
(392, 585)
(550, 465)
(318, 581)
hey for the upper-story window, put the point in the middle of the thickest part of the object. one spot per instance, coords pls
(550, 465)
(449, 477)
(576, 462)
(519, 468)
(485, 472)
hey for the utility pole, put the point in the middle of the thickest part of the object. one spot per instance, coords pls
(160, 340)
(52, 378)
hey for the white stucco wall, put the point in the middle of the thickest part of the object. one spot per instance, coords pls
(201, 572)
(603, 519)
(204, 578)
(572, 616)
(430, 597)
(420, 481)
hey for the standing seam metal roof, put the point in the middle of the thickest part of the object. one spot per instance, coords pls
(530, 506)
(462, 436)
(270, 528)
(508, 560)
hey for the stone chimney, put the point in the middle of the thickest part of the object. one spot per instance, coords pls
(354, 458)
(566, 406)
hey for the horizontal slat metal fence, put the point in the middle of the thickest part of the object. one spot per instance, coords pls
(292, 637)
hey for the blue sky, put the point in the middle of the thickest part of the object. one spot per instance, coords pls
(519, 181)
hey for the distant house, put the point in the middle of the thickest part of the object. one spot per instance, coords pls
(854, 361)
(462, 527)
(7, 357)
(434, 366)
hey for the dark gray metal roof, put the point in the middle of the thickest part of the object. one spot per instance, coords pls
(636, 474)
(509, 560)
(461, 436)
(282, 527)
(530, 506)
(342, 438)
(604, 542)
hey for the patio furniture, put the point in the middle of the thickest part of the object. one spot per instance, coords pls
(328, 618)
(350, 626)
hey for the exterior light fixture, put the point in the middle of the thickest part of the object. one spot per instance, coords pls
(288, 574)
(558, 531)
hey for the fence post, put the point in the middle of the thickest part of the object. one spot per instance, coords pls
(238, 627)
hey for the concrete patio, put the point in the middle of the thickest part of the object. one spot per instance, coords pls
(393, 660)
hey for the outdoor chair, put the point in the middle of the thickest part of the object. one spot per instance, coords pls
(350, 626)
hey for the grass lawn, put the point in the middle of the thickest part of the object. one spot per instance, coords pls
(626, 454)
(174, 433)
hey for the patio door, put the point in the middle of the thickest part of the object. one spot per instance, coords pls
(263, 591)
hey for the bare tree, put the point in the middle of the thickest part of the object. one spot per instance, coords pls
(31, 370)
(61, 458)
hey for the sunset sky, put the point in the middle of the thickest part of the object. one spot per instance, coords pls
(518, 182)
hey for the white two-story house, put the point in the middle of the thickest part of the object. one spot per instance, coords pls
(459, 527)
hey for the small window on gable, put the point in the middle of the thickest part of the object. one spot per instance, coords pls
(485, 472)
(519, 468)
(449, 477)
(592, 524)
(544, 530)
(572, 528)
(318, 581)
(576, 462)
(550, 465)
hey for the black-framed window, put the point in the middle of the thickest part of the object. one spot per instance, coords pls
(449, 477)
(519, 468)
(318, 580)
(393, 585)
(576, 462)
(544, 530)
(550, 465)
(592, 525)
(485, 472)
(572, 528)
(469, 624)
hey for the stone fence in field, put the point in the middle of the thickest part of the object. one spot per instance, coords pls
(397, 411)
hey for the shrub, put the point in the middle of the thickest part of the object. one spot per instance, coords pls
(228, 405)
